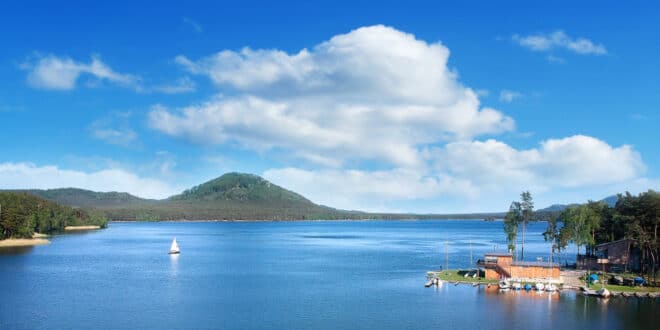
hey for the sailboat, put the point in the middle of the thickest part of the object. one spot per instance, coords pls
(174, 248)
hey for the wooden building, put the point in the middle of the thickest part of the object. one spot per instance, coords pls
(500, 265)
(615, 256)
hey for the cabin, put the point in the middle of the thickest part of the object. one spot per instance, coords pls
(500, 265)
(616, 256)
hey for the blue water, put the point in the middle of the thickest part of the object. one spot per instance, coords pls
(286, 275)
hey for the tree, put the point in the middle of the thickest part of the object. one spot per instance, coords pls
(553, 233)
(640, 216)
(511, 222)
(580, 224)
(527, 206)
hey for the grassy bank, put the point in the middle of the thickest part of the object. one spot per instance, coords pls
(455, 275)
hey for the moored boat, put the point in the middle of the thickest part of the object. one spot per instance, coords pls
(504, 285)
(551, 287)
(540, 286)
(603, 293)
(528, 287)
(516, 286)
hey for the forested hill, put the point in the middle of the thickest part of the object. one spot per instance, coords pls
(87, 198)
(241, 187)
(233, 196)
(22, 214)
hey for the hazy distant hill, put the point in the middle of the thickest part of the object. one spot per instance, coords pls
(610, 200)
(233, 196)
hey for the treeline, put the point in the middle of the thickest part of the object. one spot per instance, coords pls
(633, 217)
(21, 215)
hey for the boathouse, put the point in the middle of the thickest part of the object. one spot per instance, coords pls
(498, 265)
(616, 256)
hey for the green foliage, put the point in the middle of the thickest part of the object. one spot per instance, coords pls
(233, 196)
(511, 221)
(580, 224)
(240, 187)
(22, 214)
(519, 214)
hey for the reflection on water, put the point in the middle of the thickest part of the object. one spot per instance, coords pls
(15, 250)
(174, 264)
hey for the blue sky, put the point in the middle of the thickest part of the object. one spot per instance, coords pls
(412, 106)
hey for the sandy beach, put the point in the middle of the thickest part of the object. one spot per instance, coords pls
(15, 242)
(74, 228)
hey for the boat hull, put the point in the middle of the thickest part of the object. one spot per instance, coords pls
(174, 252)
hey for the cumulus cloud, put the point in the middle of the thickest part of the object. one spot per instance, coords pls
(559, 40)
(31, 176)
(367, 190)
(481, 175)
(508, 96)
(569, 162)
(373, 93)
(62, 73)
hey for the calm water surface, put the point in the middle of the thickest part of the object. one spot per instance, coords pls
(311, 274)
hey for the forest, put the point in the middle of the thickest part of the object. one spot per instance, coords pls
(22, 215)
(633, 217)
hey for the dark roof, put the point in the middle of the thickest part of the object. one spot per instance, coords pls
(535, 264)
(498, 254)
(614, 242)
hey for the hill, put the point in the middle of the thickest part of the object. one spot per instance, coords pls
(609, 200)
(87, 198)
(22, 214)
(232, 196)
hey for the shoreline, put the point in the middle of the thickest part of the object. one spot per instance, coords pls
(292, 220)
(77, 228)
(19, 242)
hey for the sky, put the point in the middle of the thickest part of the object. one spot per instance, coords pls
(421, 107)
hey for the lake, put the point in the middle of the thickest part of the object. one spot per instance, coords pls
(290, 275)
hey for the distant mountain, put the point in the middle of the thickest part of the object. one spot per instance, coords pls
(610, 201)
(87, 198)
(240, 187)
(233, 196)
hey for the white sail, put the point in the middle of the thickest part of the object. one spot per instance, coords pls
(174, 248)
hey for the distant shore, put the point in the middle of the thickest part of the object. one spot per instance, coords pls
(75, 228)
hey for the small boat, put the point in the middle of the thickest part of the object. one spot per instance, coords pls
(429, 283)
(540, 286)
(551, 287)
(528, 286)
(504, 285)
(603, 293)
(475, 284)
(516, 286)
(174, 248)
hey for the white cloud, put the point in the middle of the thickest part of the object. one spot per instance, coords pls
(366, 190)
(182, 85)
(31, 176)
(62, 73)
(114, 129)
(508, 96)
(569, 162)
(472, 176)
(559, 39)
(373, 93)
